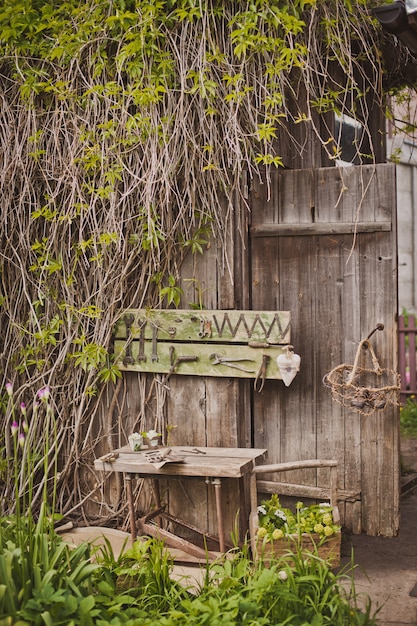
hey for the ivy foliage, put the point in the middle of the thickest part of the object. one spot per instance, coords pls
(126, 126)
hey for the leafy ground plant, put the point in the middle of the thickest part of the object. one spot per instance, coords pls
(236, 591)
(408, 418)
(42, 580)
(66, 587)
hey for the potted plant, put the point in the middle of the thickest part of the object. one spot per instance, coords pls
(135, 441)
(152, 438)
(310, 528)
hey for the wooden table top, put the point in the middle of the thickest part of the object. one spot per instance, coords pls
(213, 463)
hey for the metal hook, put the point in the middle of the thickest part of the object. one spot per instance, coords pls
(378, 327)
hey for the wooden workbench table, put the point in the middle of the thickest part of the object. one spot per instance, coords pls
(211, 464)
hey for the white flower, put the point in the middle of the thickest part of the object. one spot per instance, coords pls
(282, 575)
(323, 506)
(281, 515)
(152, 434)
(262, 510)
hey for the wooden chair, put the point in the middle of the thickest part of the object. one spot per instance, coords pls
(290, 489)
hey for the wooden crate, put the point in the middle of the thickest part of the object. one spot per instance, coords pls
(327, 549)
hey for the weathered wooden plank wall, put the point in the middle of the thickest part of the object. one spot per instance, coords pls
(337, 287)
(321, 243)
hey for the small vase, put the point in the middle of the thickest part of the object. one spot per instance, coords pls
(153, 443)
(135, 441)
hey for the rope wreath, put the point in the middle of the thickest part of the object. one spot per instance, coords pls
(361, 389)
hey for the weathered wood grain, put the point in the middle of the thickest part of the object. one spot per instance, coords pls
(209, 326)
(329, 228)
(338, 284)
(209, 462)
(200, 359)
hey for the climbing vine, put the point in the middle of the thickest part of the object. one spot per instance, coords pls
(126, 126)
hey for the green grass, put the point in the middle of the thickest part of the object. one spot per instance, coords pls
(408, 418)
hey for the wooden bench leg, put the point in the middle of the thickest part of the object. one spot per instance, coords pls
(218, 494)
(131, 504)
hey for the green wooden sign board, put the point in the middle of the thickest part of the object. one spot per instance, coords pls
(243, 344)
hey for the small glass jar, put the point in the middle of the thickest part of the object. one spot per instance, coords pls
(135, 441)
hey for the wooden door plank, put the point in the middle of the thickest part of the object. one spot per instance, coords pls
(380, 467)
(338, 317)
(186, 413)
(221, 430)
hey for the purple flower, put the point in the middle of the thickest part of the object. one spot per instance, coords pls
(9, 389)
(14, 428)
(25, 426)
(21, 440)
(23, 408)
(44, 393)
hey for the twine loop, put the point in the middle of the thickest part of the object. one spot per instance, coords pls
(361, 389)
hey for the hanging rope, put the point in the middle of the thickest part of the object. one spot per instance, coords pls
(361, 389)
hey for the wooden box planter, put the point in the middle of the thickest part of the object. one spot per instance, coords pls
(327, 548)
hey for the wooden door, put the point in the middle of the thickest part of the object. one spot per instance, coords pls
(323, 246)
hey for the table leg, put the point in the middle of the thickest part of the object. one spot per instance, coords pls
(131, 504)
(157, 496)
(218, 494)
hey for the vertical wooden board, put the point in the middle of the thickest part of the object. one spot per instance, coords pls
(380, 464)
(298, 268)
(335, 194)
(186, 409)
(350, 336)
(221, 430)
(266, 287)
(328, 313)
(284, 417)
(198, 279)
(338, 433)
(244, 414)
(352, 205)
(375, 186)
(385, 184)
(221, 417)
(328, 191)
(267, 422)
(240, 246)
(296, 197)
(242, 301)
(364, 208)
(262, 209)
(386, 207)
(226, 256)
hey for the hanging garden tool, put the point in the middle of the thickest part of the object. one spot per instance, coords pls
(258, 385)
(288, 365)
(361, 389)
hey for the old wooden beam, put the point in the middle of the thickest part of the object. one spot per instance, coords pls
(322, 228)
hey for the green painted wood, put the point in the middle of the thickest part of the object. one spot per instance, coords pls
(198, 359)
(215, 326)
